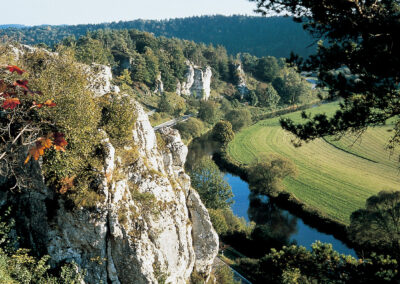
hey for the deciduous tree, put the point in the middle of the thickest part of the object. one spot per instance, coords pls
(209, 182)
(358, 61)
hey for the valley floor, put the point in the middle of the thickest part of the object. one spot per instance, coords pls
(335, 177)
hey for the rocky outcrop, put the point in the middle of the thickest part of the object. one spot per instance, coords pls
(100, 77)
(148, 225)
(241, 80)
(159, 89)
(197, 82)
(151, 227)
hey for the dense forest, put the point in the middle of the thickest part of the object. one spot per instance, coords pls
(274, 36)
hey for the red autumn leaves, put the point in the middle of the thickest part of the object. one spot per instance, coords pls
(53, 139)
(13, 68)
(11, 102)
(9, 94)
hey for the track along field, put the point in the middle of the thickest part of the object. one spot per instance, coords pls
(335, 177)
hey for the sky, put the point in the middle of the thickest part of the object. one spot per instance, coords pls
(56, 12)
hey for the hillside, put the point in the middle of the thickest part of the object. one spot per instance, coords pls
(275, 36)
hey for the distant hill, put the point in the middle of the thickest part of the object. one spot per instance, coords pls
(260, 36)
(12, 26)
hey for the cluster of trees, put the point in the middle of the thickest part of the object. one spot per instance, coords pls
(272, 258)
(294, 264)
(280, 84)
(146, 56)
(358, 63)
(275, 36)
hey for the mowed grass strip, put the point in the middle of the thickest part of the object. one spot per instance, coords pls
(335, 177)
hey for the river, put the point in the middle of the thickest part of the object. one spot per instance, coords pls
(263, 211)
(302, 234)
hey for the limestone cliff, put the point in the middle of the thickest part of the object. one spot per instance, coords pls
(241, 80)
(151, 226)
(197, 82)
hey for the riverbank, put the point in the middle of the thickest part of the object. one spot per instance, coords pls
(335, 177)
(289, 202)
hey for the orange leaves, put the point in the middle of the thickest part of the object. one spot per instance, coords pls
(11, 103)
(13, 68)
(48, 103)
(66, 183)
(36, 151)
(52, 139)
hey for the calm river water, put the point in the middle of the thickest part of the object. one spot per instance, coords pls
(263, 211)
(302, 234)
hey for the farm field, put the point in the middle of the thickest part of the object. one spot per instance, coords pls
(335, 177)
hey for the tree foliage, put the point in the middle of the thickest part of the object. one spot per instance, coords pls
(266, 176)
(239, 118)
(223, 132)
(208, 112)
(209, 182)
(294, 264)
(191, 128)
(358, 61)
(377, 227)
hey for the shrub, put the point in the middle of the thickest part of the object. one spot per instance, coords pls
(266, 176)
(118, 119)
(191, 128)
(239, 118)
(222, 132)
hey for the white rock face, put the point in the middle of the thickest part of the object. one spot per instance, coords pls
(148, 226)
(241, 80)
(197, 82)
(159, 89)
(100, 80)
(126, 239)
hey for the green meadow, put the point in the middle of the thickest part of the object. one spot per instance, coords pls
(335, 176)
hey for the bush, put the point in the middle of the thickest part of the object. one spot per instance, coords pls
(77, 115)
(18, 266)
(239, 118)
(118, 119)
(266, 176)
(191, 128)
(222, 132)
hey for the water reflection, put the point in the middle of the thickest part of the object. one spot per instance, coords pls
(265, 211)
(275, 226)
(279, 223)
(199, 148)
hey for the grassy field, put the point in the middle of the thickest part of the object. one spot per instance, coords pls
(335, 177)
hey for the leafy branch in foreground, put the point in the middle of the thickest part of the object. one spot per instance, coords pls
(357, 60)
(21, 126)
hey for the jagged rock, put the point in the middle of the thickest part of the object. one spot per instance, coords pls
(178, 88)
(100, 80)
(197, 81)
(149, 226)
(159, 89)
(241, 80)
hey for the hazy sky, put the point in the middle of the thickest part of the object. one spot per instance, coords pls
(38, 12)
